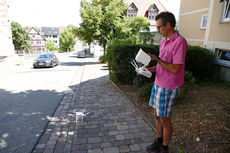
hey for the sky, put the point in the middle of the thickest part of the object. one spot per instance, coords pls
(55, 13)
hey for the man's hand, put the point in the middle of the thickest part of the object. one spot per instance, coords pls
(151, 69)
(153, 57)
(174, 68)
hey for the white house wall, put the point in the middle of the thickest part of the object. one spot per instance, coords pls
(6, 46)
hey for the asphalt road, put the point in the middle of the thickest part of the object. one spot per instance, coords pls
(28, 97)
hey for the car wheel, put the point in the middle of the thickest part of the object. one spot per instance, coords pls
(52, 65)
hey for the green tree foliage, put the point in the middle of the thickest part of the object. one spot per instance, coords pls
(105, 20)
(138, 24)
(73, 29)
(51, 45)
(67, 40)
(89, 28)
(144, 36)
(20, 37)
(139, 28)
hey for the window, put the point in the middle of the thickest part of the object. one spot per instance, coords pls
(132, 11)
(54, 36)
(226, 11)
(203, 23)
(223, 57)
(153, 11)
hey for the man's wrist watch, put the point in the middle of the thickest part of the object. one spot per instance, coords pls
(157, 58)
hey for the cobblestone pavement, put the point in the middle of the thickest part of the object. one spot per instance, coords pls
(112, 125)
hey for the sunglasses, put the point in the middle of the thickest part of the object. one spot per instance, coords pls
(158, 27)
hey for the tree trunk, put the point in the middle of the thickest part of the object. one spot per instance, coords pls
(104, 46)
(89, 47)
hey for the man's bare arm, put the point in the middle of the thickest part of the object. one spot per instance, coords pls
(174, 68)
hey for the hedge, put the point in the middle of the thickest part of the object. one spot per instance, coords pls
(120, 55)
(199, 61)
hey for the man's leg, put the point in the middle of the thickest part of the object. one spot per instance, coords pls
(159, 125)
(167, 131)
(158, 142)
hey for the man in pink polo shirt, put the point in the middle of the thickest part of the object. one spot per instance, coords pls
(169, 78)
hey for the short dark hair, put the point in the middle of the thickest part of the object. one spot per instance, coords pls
(167, 17)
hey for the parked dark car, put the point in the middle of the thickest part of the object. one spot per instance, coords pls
(19, 52)
(85, 50)
(46, 60)
(81, 54)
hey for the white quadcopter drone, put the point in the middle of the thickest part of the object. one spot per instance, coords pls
(144, 59)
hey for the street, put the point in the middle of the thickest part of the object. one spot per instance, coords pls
(28, 97)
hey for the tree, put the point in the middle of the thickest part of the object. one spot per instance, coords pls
(138, 24)
(67, 40)
(139, 28)
(105, 20)
(144, 36)
(51, 45)
(20, 37)
(102, 20)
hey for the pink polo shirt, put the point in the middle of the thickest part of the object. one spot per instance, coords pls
(171, 51)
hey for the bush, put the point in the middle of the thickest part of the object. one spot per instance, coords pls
(103, 59)
(200, 62)
(189, 81)
(145, 91)
(120, 54)
(188, 78)
(140, 80)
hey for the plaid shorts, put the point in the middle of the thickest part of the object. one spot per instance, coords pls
(163, 100)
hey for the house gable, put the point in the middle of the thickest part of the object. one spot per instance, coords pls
(37, 41)
(152, 12)
(145, 6)
(132, 11)
(34, 34)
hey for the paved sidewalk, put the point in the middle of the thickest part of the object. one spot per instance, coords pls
(112, 127)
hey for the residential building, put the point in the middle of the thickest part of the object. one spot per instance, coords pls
(145, 8)
(37, 41)
(6, 45)
(51, 33)
(206, 23)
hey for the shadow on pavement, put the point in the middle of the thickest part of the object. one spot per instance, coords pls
(77, 63)
(23, 117)
(110, 114)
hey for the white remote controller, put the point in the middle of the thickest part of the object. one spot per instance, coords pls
(143, 71)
